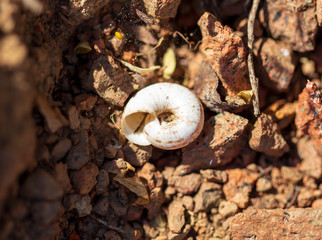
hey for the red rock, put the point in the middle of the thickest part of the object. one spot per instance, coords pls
(150, 176)
(317, 203)
(217, 176)
(156, 200)
(78, 155)
(227, 209)
(239, 185)
(220, 141)
(101, 206)
(309, 114)
(208, 196)
(41, 185)
(85, 102)
(263, 185)
(110, 81)
(176, 216)
(83, 206)
(61, 148)
(134, 213)
(187, 184)
(61, 176)
(102, 182)
(305, 198)
(290, 174)
(319, 11)
(277, 224)
(298, 17)
(225, 52)
(275, 63)
(187, 202)
(137, 155)
(73, 118)
(84, 179)
(266, 138)
(311, 162)
(158, 9)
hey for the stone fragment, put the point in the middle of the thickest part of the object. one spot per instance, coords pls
(227, 209)
(54, 119)
(275, 63)
(12, 51)
(187, 202)
(73, 118)
(150, 176)
(290, 174)
(240, 184)
(45, 212)
(305, 198)
(277, 224)
(157, 198)
(110, 81)
(137, 155)
(83, 10)
(84, 179)
(85, 102)
(61, 176)
(266, 138)
(298, 17)
(176, 216)
(158, 9)
(83, 206)
(78, 155)
(269, 201)
(311, 162)
(42, 186)
(309, 114)
(186, 184)
(101, 206)
(207, 197)
(103, 181)
(61, 148)
(217, 176)
(111, 235)
(317, 203)
(263, 185)
(220, 141)
(134, 213)
(225, 52)
(319, 11)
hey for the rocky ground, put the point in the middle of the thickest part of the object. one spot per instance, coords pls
(68, 68)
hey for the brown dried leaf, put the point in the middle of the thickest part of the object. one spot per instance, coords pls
(138, 69)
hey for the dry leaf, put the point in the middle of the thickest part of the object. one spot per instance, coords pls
(138, 69)
(169, 64)
(247, 95)
(83, 48)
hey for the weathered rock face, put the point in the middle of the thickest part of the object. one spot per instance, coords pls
(217, 145)
(277, 224)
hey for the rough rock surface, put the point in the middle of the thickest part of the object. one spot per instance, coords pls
(225, 52)
(309, 114)
(78, 155)
(220, 141)
(208, 196)
(266, 138)
(277, 224)
(186, 184)
(275, 63)
(110, 81)
(298, 17)
(136, 155)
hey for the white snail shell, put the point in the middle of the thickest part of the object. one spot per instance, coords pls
(166, 115)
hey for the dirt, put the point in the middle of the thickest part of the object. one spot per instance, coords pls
(66, 170)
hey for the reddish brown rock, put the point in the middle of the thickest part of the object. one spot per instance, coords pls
(61, 176)
(176, 216)
(157, 198)
(266, 138)
(220, 141)
(240, 184)
(227, 209)
(217, 176)
(263, 185)
(158, 9)
(61, 149)
(275, 63)
(84, 179)
(101, 206)
(291, 174)
(102, 182)
(311, 162)
(319, 11)
(317, 203)
(73, 118)
(83, 205)
(79, 154)
(298, 17)
(41, 185)
(150, 176)
(80, 11)
(208, 196)
(187, 184)
(277, 224)
(137, 155)
(305, 197)
(110, 81)
(309, 114)
(225, 52)
(85, 102)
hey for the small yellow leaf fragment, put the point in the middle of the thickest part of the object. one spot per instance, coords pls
(169, 64)
(118, 35)
(246, 95)
(138, 69)
(83, 48)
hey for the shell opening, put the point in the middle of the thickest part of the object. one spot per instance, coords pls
(166, 117)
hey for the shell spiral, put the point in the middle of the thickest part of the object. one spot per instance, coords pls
(166, 115)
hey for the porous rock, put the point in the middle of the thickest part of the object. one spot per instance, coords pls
(220, 141)
(186, 184)
(137, 155)
(208, 196)
(277, 224)
(266, 138)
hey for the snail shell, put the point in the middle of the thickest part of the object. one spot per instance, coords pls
(166, 115)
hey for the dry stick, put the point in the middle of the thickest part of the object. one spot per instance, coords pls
(250, 36)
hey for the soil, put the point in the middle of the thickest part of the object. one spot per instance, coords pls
(67, 70)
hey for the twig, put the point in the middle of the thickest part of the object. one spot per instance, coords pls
(250, 36)
(107, 225)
